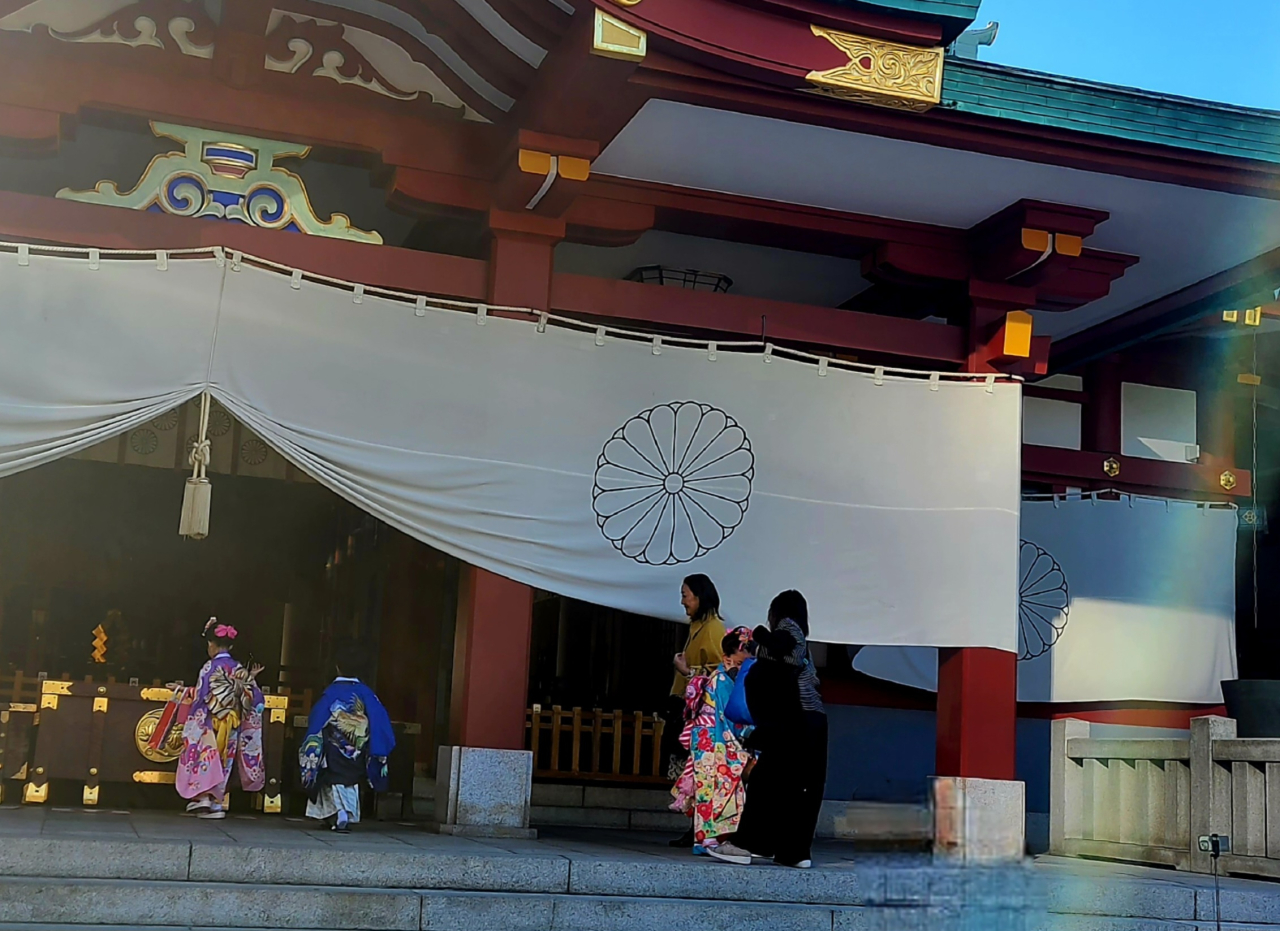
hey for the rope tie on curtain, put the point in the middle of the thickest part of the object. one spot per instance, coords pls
(194, 522)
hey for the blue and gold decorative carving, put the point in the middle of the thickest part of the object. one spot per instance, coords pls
(227, 177)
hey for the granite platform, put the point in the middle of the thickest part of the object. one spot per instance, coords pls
(87, 869)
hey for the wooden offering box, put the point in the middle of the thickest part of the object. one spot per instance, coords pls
(98, 733)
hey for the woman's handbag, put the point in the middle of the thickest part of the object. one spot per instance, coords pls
(737, 710)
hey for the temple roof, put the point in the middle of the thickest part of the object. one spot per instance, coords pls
(953, 15)
(1007, 93)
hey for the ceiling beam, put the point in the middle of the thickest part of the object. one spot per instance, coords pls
(1248, 284)
(29, 218)
(802, 324)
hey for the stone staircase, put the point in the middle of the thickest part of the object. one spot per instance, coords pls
(100, 870)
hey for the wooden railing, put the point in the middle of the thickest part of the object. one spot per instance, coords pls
(19, 689)
(1150, 801)
(596, 745)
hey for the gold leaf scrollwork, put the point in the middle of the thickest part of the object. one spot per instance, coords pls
(887, 74)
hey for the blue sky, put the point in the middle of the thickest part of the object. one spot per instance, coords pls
(1228, 50)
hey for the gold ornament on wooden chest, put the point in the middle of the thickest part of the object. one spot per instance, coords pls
(1111, 467)
(887, 74)
(1227, 480)
(169, 750)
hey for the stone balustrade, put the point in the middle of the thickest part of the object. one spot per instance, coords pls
(1150, 800)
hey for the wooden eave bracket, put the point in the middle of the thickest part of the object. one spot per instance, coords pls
(1002, 330)
(28, 131)
(543, 173)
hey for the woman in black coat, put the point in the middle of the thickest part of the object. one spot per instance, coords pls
(784, 793)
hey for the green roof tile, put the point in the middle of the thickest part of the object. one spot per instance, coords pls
(1119, 112)
(954, 16)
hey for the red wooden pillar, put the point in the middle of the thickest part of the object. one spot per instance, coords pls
(490, 661)
(978, 686)
(977, 712)
(521, 257)
(1100, 427)
(495, 614)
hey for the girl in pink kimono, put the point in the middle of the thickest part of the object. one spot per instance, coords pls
(223, 726)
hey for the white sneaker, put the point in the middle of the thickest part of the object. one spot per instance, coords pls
(199, 805)
(215, 813)
(730, 853)
(802, 865)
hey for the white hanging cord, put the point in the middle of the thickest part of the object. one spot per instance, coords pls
(199, 456)
(552, 173)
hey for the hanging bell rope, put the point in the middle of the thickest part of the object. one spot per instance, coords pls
(195, 497)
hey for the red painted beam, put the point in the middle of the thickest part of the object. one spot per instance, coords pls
(728, 313)
(45, 219)
(771, 223)
(734, 38)
(1073, 465)
(30, 132)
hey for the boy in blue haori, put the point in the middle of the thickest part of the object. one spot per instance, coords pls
(348, 740)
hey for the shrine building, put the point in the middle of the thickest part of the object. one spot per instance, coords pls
(410, 256)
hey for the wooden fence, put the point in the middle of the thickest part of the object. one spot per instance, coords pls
(596, 745)
(1150, 801)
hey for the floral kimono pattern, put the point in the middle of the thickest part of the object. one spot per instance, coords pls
(223, 728)
(711, 788)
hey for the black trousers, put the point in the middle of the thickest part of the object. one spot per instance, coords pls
(673, 723)
(784, 793)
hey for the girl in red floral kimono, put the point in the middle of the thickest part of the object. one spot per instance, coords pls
(711, 787)
(223, 727)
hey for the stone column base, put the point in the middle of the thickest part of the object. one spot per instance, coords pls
(978, 820)
(484, 793)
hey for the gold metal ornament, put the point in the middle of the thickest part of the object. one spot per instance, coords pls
(887, 74)
(169, 751)
(90, 795)
(153, 778)
(100, 705)
(35, 795)
(156, 694)
(612, 38)
(1111, 467)
(1227, 480)
(271, 804)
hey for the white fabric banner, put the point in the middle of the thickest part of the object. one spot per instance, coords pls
(598, 467)
(1129, 600)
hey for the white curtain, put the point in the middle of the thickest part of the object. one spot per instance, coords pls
(1129, 600)
(87, 354)
(602, 468)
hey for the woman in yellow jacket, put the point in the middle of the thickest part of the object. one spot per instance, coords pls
(700, 656)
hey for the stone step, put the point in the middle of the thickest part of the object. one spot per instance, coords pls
(141, 904)
(357, 866)
(649, 810)
(617, 818)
